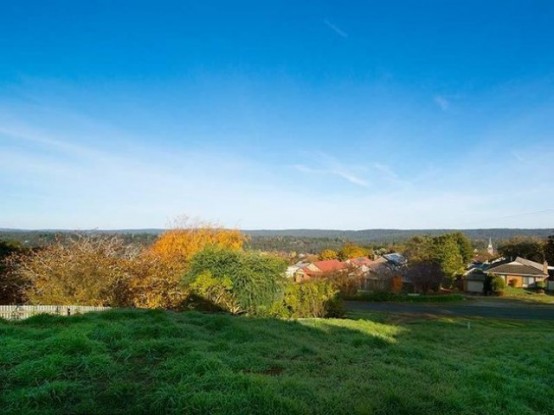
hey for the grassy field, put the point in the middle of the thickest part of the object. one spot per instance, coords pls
(528, 296)
(148, 362)
(384, 296)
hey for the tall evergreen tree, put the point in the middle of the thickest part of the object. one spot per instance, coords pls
(549, 250)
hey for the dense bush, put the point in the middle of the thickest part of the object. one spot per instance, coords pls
(244, 282)
(83, 271)
(313, 298)
(237, 281)
(12, 285)
(425, 275)
(494, 285)
(498, 284)
(200, 268)
(103, 270)
(155, 281)
(346, 283)
(158, 271)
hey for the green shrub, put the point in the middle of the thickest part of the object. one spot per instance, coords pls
(236, 281)
(494, 285)
(212, 294)
(314, 298)
(498, 284)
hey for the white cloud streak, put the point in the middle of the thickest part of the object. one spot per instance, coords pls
(335, 29)
(330, 166)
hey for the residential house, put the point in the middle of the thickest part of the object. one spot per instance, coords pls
(474, 280)
(382, 270)
(520, 272)
(292, 270)
(362, 265)
(396, 259)
(319, 268)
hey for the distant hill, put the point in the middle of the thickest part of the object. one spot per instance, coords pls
(315, 240)
(301, 240)
(393, 235)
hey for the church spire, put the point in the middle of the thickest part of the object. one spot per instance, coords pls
(490, 248)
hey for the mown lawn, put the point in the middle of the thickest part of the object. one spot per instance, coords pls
(148, 362)
(528, 295)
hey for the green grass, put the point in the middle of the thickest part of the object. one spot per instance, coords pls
(385, 296)
(528, 296)
(149, 362)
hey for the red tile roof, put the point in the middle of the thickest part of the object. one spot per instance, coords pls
(330, 265)
(361, 261)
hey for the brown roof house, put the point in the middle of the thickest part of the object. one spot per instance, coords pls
(319, 269)
(520, 273)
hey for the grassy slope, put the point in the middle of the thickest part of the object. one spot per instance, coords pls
(148, 362)
(528, 296)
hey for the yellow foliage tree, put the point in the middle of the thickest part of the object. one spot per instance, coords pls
(328, 254)
(350, 250)
(159, 270)
(181, 244)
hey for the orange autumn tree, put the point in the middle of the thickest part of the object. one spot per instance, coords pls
(181, 244)
(160, 269)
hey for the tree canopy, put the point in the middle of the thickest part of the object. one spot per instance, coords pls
(242, 281)
(528, 248)
(328, 254)
(350, 250)
(452, 251)
(549, 250)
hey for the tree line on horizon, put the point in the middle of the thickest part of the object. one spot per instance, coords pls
(299, 240)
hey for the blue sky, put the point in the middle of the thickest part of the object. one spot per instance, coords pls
(348, 115)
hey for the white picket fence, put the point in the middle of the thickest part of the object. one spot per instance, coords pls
(19, 312)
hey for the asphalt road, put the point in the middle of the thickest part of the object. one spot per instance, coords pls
(509, 311)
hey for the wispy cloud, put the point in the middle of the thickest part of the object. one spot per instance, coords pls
(335, 29)
(442, 102)
(331, 166)
(350, 178)
(388, 174)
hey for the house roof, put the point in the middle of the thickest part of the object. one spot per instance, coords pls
(396, 258)
(330, 265)
(530, 263)
(517, 268)
(476, 275)
(362, 261)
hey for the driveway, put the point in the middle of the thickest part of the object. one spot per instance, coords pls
(481, 309)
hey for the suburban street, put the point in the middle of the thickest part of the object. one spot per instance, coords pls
(508, 310)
